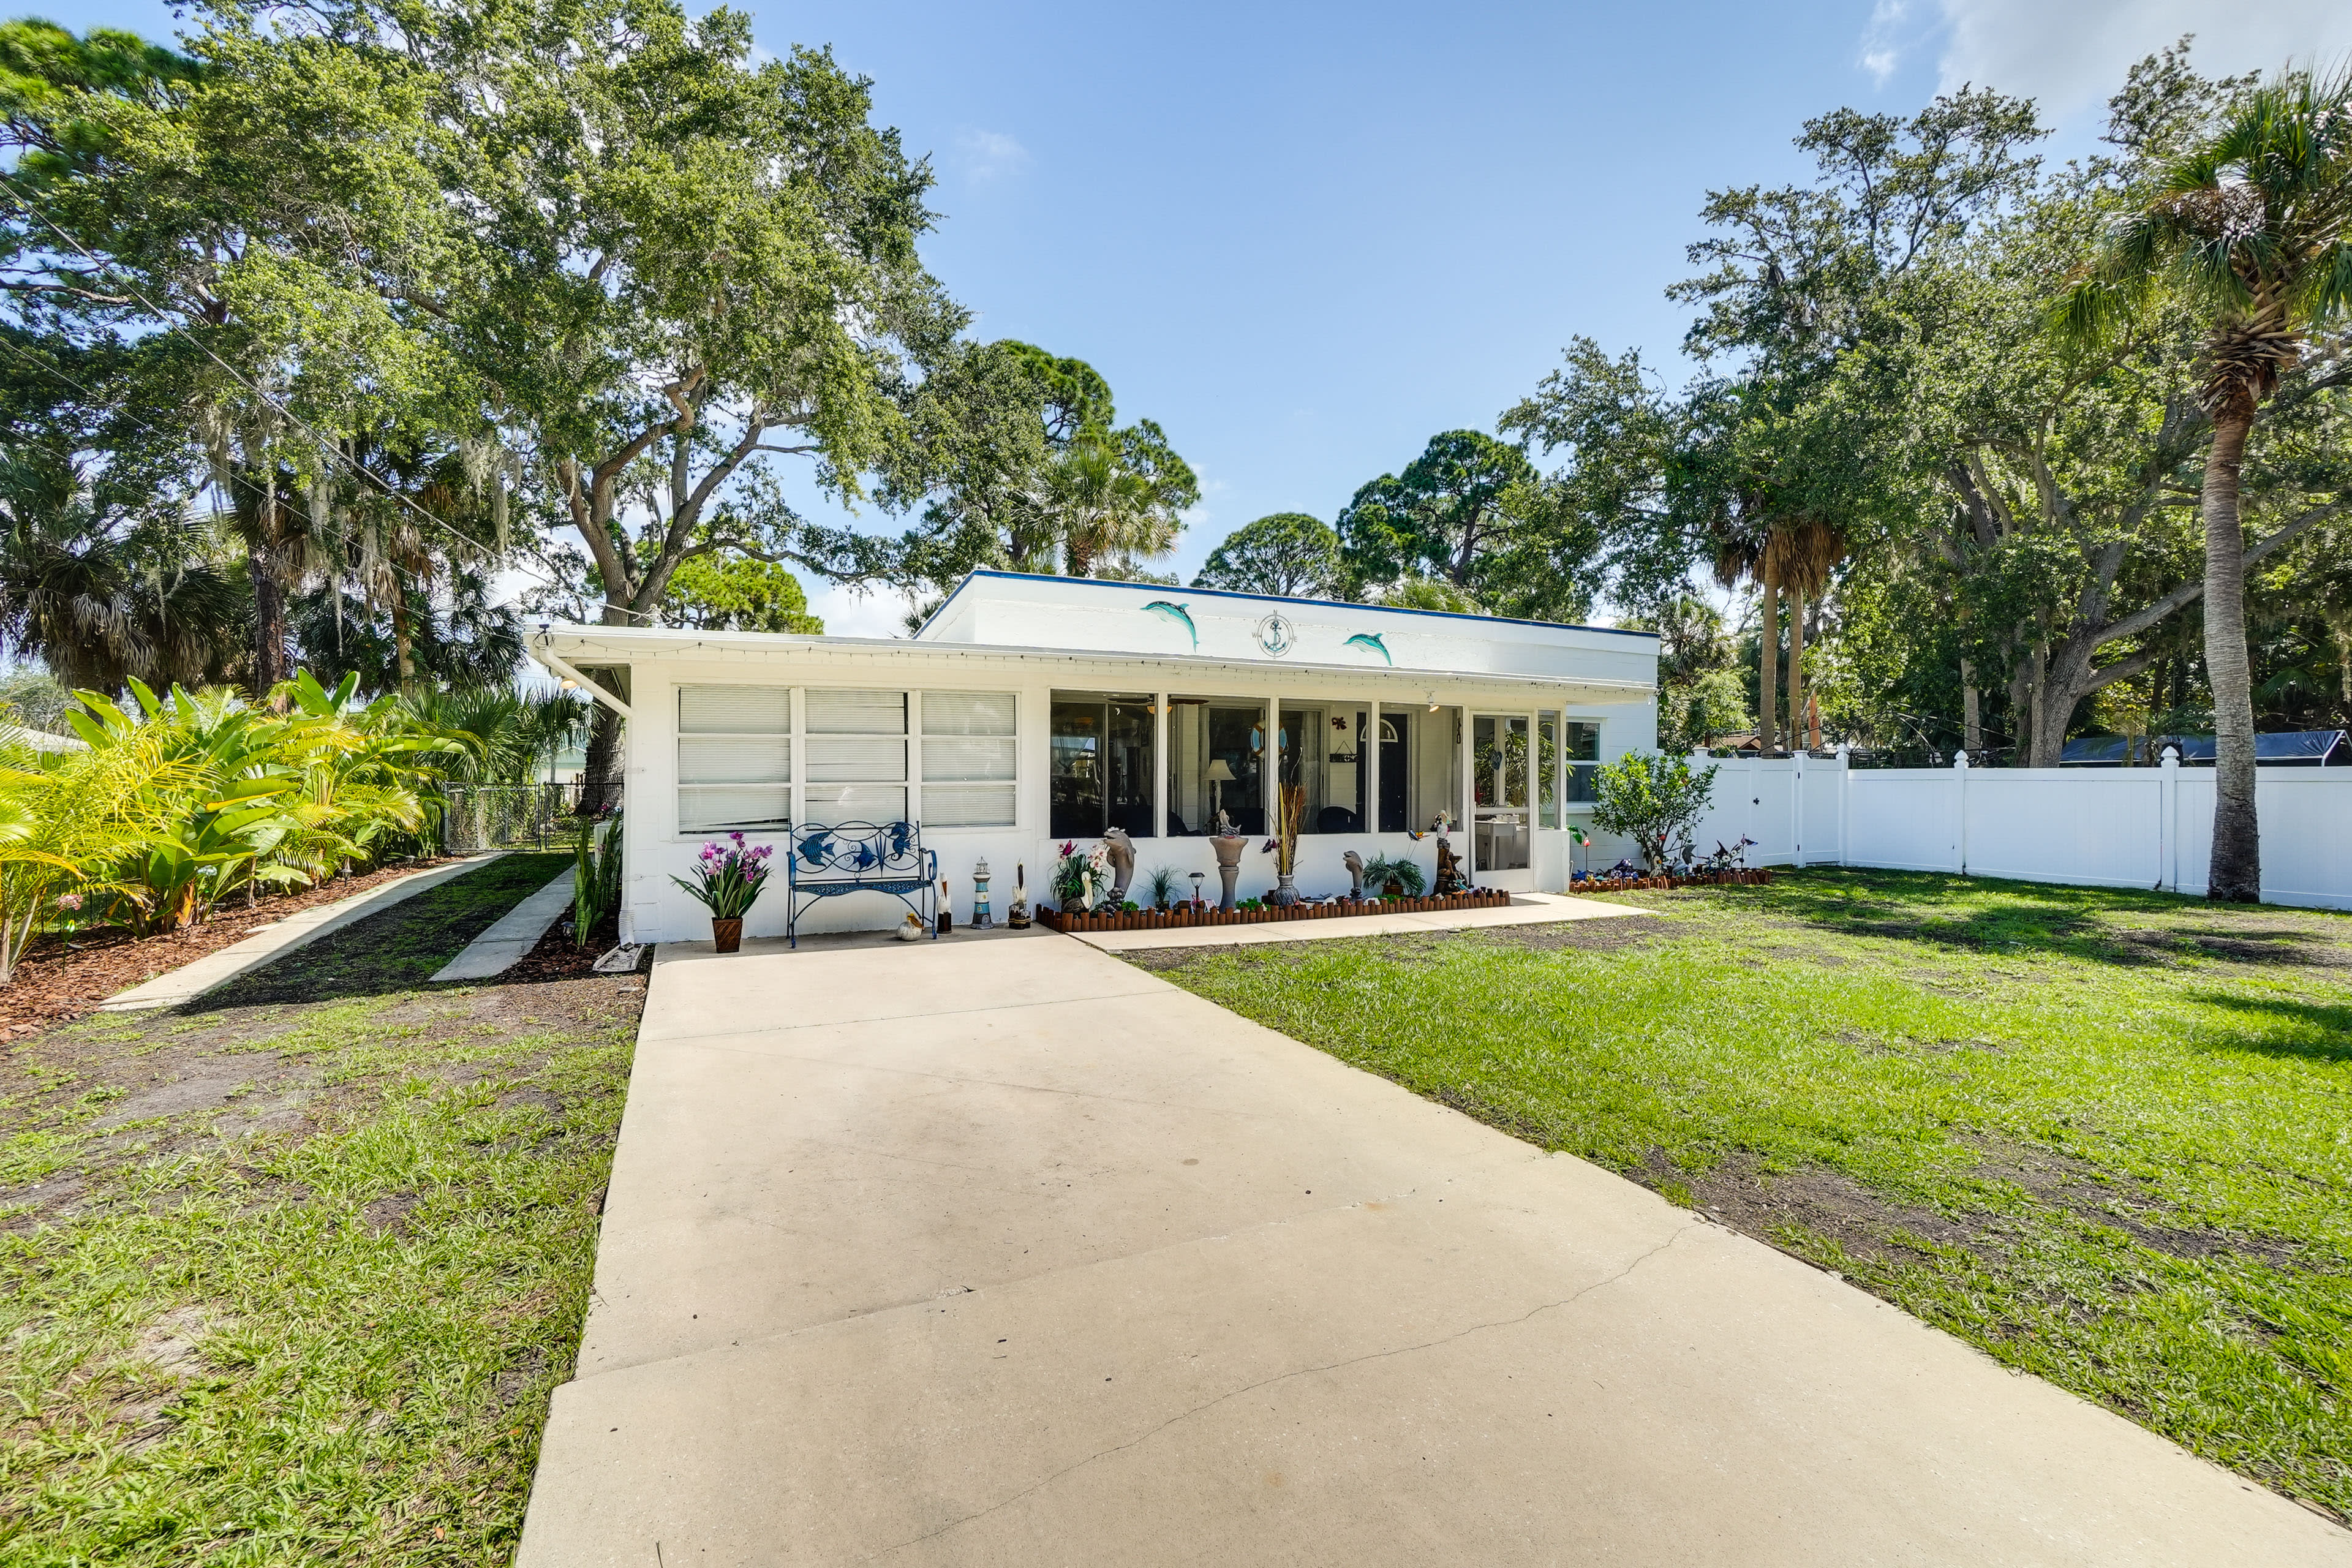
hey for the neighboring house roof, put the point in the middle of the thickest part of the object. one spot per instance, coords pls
(2308, 748)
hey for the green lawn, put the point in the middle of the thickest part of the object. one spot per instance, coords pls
(2106, 1137)
(289, 1276)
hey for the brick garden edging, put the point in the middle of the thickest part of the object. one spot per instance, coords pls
(1752, 877)
(1336, 909)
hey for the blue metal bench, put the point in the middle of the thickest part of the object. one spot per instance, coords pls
(827, 861)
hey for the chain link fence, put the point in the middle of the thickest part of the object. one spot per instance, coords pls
(475, 817)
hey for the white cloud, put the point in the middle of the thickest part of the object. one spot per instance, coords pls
(880, 614)
(2071, 54)
(1897, 28)
(987, 155)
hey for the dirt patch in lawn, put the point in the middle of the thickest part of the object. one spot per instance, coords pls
(179, 1091)
(63, 978)
(1517, 1123)
(2099, 1198)
(1606, 933)
(237, 1233)
(1780, 1207)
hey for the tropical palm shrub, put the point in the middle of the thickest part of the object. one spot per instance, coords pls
(70, 822)
(180, 801)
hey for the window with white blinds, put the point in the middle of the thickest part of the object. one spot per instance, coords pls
(734, 758)
(969, 741)
(856, 756)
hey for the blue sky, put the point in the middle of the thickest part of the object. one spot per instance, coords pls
(1305, 238)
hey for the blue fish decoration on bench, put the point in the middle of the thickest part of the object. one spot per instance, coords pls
(813, 849)
(1180, 614)
(1370, 640)
(865, 857)
(901, 835)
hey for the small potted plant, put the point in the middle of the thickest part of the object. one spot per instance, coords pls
(727, 880)
(1396, 876)
(1077, 879)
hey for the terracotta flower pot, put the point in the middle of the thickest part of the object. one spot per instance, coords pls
(727, 936)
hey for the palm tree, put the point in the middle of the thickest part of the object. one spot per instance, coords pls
(1810, 551)
(2254, 227)
(102, 596)
(1746, 551)
(1106, 510)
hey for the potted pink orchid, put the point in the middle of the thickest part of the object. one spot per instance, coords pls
(727, 880)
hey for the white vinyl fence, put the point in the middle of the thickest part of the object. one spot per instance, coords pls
(2111, 827)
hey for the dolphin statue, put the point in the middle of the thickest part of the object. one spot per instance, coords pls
(1180, 614)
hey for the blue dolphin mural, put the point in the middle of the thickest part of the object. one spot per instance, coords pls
(1370, 640)
(1180, 614)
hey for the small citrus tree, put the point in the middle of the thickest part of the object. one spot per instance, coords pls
(1653, 800)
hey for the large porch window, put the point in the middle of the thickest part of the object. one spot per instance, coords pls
(1321, 749)
(1101, 764)
(1216, 758)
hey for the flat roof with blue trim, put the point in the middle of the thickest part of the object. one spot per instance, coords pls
(1162, 588)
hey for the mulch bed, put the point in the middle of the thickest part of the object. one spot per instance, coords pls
(556, 958)
(63, 978)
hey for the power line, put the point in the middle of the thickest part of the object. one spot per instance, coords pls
(321, 444)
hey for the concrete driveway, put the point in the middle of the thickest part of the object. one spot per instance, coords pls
(999, 1250)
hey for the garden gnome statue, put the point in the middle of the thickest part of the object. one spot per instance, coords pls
(1016, 914)
(1229, 845)
(1355, 864)
(1119, 850)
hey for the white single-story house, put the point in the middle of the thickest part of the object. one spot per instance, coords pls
(1030, 712)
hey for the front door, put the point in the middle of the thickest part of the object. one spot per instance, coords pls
(1502, 826)
(1396, 771)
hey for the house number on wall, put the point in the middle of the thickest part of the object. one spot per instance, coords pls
(1276, 635)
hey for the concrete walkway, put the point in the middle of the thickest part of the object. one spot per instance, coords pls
(517, 930)
(1007, 1252)
(190, 981)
